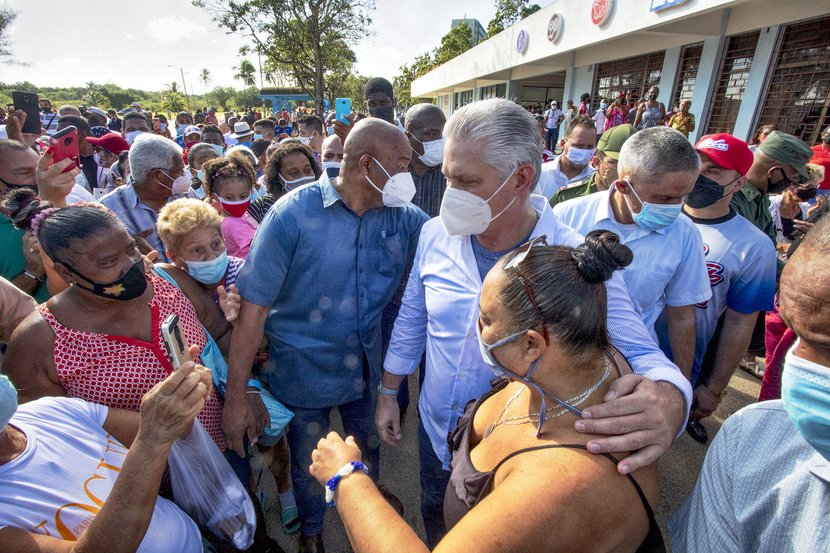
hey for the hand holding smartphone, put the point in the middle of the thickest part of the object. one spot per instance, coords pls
(174, 342)
(28, 102)
(342, 108)
(64, 145)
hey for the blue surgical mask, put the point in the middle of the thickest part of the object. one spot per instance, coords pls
(219, 149)
(209, 272)
(8, 400)
(805, 392)
(654, 216)
(257, 136)
(503, 372)
(603, 105)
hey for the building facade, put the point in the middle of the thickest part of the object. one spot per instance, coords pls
(742, 63)
(479, 34)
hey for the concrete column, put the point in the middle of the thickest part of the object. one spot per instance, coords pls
(707, 76)
(512, 91)
(754, 91)
(671, 64)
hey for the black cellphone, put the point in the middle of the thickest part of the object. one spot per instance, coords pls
(28, 102)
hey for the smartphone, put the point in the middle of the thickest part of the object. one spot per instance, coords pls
(174, 342)
(28, 102)
(64, 144)
(342, 108)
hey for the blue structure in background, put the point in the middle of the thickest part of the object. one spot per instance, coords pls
(282, 97)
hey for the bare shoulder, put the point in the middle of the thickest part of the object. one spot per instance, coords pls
(30, 360)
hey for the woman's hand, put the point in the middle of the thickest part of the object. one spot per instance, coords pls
(330, 456)
(229, 302)
(168, 410)
(53, 185)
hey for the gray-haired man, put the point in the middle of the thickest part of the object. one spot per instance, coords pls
(492, 155)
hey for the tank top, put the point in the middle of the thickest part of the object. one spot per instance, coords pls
(468, 486)
(117, 371)
(650, 117)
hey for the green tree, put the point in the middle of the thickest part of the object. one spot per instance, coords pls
(507, 13)
(222, 96)
(205, 78)
(454, 43)
(245, 72)
(302, 40)
(94, 97)
(7, 17)
(172, 87)
(247, 98)
(402, 84)
(173, 101)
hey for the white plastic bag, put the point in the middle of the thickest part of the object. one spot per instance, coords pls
(206, 488)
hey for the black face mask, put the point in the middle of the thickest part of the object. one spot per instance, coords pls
(126, 288)
(780, 186)
(12, 186)
(652, 96)
(806, 194)
(705, 193)
(385, 113)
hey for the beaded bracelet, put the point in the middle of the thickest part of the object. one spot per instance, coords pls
(344, 471)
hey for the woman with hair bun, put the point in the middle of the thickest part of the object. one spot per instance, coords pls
(522, 478)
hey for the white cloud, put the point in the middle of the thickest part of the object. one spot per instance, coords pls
(172, 29)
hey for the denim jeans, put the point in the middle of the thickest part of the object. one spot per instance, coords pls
(305, 430)
(551, 138)
(434, 481)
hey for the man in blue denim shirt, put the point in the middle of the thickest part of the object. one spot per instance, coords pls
(325, 262)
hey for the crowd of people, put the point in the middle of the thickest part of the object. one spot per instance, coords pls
(609, 273)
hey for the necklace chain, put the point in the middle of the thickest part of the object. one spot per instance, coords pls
(534, 417)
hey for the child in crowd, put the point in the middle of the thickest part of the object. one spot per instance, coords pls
(229, 183)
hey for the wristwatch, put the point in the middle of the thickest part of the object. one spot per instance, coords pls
(387, 391)
(720, 395)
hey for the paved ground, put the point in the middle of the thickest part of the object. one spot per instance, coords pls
(399, 469)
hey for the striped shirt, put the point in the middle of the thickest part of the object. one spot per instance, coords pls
(429, 190)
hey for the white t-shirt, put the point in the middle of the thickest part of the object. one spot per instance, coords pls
(599, 118)
(66, 473)
(668, 266)
(775, 210)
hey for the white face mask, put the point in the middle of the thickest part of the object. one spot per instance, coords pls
(331, 165)
(99, 159)
(580, 156)
(464, 213)
(305, 140)
(398, 190)
(433, 152)
(181, 185)
(131, 136)
(296, 183)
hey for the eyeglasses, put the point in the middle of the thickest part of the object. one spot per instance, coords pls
(512, 264)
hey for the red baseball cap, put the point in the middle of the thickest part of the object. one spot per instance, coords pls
(727, 151)
(111, 142)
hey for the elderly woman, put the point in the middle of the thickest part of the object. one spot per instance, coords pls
(291, 164)
(100, 339)
(196, 157)
(522, 478)
(83, 477)
(683, 120)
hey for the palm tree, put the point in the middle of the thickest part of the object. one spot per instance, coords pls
(246, 72)
(204, 76)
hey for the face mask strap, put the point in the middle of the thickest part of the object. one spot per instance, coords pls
(500, 187)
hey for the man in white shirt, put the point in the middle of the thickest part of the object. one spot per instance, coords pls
(553, 117)
(574, 163)
(657, 167)
(492, 160)
(740, 260)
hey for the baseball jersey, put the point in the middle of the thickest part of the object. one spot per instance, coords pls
(740, 260)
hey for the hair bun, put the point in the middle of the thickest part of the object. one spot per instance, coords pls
(601, 255)
(21, 205)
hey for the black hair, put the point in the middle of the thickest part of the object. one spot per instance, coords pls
(212, 128)
(78, 122)
(265, 123)
(378, 84)
(568, 286)
(135, 115)
(273, 180)
(313, 121)
(60, 227)
(259, 146)
(237, 164)
(580, 121)
(123, 158)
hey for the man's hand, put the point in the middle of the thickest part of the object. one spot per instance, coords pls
(331, 454)
(168, 410)
(53, 185)
(342, 129)
(14, 128)
(706, 402)
(803, 226)
(388, 419)
(229, 302)
(237, 419)
(33, 262)
(260, 413)
(642, 417)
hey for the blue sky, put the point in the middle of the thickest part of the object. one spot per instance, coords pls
(70, 42)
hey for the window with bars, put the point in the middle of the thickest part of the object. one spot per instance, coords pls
(798, 91)
(729, 90)
(632, 75)
(687, 73)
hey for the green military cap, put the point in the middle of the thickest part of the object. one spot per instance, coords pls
(787, 149)
(611, 141)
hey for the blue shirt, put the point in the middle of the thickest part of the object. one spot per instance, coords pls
(326, 275)
(440, 310)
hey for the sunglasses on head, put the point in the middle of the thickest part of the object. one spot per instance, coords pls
(513, 263)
